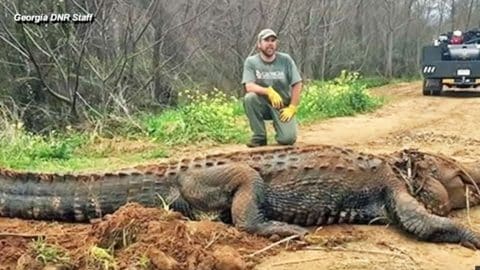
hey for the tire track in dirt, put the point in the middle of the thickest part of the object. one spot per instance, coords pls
(407, 112)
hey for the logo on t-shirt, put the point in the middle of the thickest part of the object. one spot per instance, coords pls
(269, 75)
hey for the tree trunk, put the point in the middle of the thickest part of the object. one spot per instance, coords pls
(469, 15)
(304, 63)
(389, 62)
(359, 23)
(452, 14)
(162, 90)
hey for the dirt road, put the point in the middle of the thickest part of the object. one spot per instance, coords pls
(447, 125)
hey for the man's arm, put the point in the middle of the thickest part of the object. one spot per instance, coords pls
(255, 88)
(296, 90)
(296, 82)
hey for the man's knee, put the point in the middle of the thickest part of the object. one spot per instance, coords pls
(251, 98)
(287, 140)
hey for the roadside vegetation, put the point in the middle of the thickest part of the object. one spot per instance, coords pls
(47, 254)
(201, 118)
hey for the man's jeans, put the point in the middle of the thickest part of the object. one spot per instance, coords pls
(258, 109)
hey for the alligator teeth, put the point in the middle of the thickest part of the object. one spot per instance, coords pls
(352, 216)
(331, 220)
(342, 217)
(311, 218)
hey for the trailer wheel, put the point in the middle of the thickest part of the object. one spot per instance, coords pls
(432, 87)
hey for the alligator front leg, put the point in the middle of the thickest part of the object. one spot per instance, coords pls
(412, 216)
(235, 187)
(247, 210)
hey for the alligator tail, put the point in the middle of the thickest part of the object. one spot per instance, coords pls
(70, 197)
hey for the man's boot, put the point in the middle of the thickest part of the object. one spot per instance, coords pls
(256, 143)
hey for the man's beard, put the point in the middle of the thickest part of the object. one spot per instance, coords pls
(268, 52)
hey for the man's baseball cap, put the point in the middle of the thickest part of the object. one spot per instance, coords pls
(265, 33)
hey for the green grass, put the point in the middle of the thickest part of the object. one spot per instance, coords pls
(46, 253)
(328, 99)
(100, 258)
(18, 148)
(202, 118)
(213, 118)
(144, 262)
(72, 151)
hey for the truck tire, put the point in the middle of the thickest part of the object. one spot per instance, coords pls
(432, 87)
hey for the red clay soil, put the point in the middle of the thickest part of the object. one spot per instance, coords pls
(141, 238)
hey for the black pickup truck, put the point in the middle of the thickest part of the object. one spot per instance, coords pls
(451, 65)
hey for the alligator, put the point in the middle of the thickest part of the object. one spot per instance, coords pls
(271, 191)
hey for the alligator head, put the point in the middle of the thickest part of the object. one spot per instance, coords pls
(439, 182)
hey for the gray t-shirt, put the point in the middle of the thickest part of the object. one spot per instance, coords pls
(281, 74)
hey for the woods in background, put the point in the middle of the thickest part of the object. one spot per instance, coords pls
(137, 55)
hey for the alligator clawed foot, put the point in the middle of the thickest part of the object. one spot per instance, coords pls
(471, 243)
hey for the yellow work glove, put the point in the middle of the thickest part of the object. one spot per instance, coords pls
(274, 98)
(287, 113)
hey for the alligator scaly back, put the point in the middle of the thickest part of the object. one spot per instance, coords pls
(78, 197)
(264, 160)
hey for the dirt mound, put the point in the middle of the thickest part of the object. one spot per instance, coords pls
(12, 249)
(28, 244)
(171, 242)
(134, 237)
